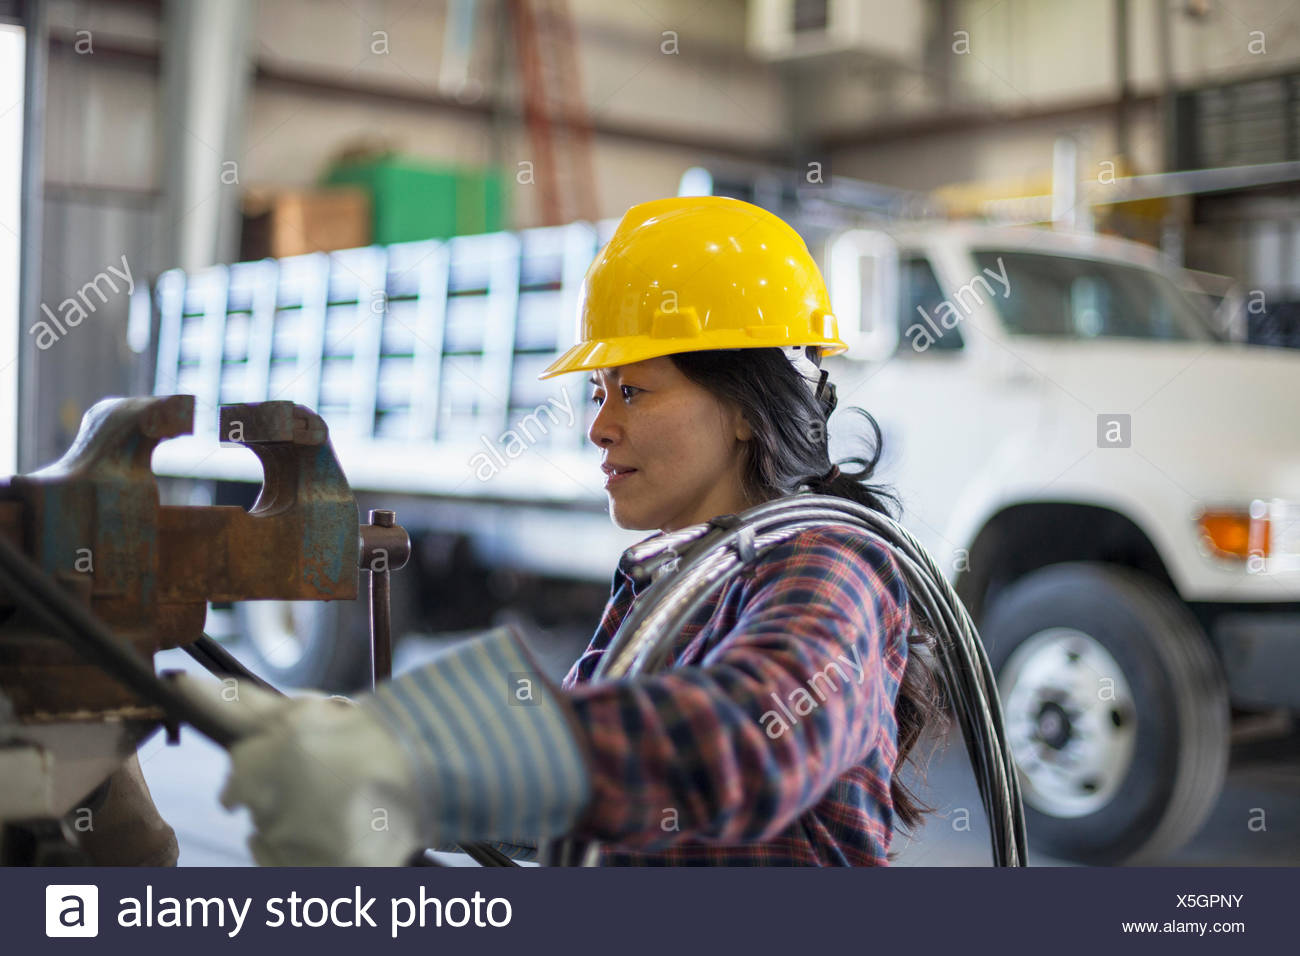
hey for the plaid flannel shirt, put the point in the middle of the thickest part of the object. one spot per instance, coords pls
(772, 738)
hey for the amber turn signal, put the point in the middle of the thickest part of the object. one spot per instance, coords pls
(1234, 534)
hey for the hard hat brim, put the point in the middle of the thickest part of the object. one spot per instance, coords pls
(608, 353)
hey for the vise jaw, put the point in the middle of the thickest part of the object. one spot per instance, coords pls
(94, 521)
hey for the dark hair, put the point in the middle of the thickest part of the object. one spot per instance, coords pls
(789, 452)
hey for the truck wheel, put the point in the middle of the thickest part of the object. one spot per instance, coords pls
(1116, 711)
(323, 645)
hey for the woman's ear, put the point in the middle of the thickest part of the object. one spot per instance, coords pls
(743, 431)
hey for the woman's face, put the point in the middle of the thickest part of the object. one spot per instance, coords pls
(672, 452)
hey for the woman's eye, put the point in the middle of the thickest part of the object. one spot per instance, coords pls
(625, 390)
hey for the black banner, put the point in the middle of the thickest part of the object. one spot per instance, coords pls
(618, 911)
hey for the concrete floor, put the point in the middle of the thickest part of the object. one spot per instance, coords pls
(186, 779)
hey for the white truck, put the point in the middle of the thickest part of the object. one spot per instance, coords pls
(1113, 487)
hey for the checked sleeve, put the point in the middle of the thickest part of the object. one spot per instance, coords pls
(491, 743)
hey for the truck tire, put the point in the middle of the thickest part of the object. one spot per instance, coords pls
(323, 645)
(1116, 711)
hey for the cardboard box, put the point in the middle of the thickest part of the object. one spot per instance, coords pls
(281, 223)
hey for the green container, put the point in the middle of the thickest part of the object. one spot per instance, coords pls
(413, 200)
(479, 205)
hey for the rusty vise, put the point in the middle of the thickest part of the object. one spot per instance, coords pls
(94, 524)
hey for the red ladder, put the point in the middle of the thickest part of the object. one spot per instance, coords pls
(559, 128)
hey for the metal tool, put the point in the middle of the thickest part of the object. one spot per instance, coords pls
(78, 693)
(385, 547)
(97, 575)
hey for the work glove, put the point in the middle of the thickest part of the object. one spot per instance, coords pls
(324, 780)
(475, 745)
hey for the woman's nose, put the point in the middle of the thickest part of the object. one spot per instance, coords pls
(605, 427)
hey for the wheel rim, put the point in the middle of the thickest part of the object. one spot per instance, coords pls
(1071, 721)
(279, 630)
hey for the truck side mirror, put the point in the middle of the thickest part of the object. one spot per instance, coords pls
(862, 275)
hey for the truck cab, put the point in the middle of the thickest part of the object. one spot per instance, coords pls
(1111, 485)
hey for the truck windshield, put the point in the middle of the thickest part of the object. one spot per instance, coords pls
(1075, 298)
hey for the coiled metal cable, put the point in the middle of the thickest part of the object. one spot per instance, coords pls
(689, 566)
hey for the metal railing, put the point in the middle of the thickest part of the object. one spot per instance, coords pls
(428, 351)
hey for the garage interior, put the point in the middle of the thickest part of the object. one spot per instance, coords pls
(1062, 240)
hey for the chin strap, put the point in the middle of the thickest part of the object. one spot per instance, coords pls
(807, 360)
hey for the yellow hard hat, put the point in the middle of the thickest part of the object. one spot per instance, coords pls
(698, 272)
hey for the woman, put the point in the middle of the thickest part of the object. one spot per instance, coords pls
(790, 702)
